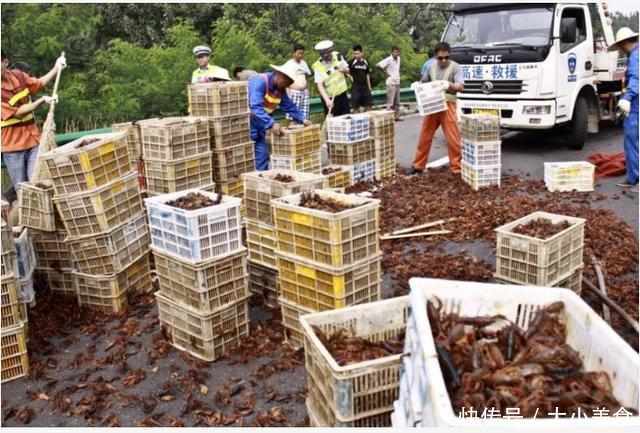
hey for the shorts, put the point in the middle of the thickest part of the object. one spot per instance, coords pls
(361, 97)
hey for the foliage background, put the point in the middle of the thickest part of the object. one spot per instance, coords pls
(133, 61)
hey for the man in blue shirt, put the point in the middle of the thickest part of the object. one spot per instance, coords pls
(627, 42)
(267, 92)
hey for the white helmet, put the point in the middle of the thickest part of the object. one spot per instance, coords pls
(324, 45)
(622, 35)
(201, 49)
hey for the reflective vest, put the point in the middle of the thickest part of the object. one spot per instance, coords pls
(436, 73)
(271, 100)
(202, 75)
(22, 95)
(335, 84)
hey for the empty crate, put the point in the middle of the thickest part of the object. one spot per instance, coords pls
(263, 282)
(88, 162)
(351, 153)
(195, 235)
(218, 99)
(15, 360)
(229, 131)
(51, 249)
(569, 176)
(480, 177)
(180, 174)
(430, 98)
(174, 138)
(35, 206)
(230, 163)
(481, 153)
(261, 241)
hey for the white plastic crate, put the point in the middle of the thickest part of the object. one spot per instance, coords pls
(480, 177)
(569, 176)
(195, 235)
(600, 349)
(480, 127)
(26, 293)
(364, 171)
(347, 128)
(481, 153)
(429, 98)
(26, 255)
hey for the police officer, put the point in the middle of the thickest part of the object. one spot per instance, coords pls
(206, 72)
(330, 72)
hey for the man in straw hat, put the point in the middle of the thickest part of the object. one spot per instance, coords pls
(206, 72)
(330, 72)
(268, 92)
(627, 43)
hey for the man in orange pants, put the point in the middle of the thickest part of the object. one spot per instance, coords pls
(449, 73)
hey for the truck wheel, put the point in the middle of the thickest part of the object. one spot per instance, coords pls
(578, 127)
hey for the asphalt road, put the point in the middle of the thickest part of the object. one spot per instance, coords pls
(524, 154)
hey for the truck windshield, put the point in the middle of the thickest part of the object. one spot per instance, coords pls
(529, 26)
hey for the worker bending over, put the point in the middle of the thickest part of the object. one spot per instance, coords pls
(448, 74)
(20, 134)
(206, 72)
(627, 42)
(268, 92)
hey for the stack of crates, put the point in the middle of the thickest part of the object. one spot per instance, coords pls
(225, 105)
(553, 262)
(297, 149)
(325, 260)
(97, 196)
(13, 331)
(260, 188)
(202, 270)
(481, 150)
(382, 130)
(349, 143)
(176, 153)
(54, 263)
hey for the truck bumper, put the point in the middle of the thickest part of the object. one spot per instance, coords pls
(512, 112)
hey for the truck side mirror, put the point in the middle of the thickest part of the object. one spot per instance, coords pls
(568, 30)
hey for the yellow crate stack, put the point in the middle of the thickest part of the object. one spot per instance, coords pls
(202, 273)
(325, 260)
(13, 330)
(260, 188)
(105, 254)
(225, 106)
(297, 149)
(382, 131)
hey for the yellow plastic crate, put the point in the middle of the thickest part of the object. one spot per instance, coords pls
(261, 242)
(338, 179)
(333, 239)
(58, 279)
(296, 140)
(100, 210)
(204, 336)
(77, 167)
(109, 292)
(218, 99)
(9, 256)
(204, 287)
(173, 138)
(15, 360)
(133, 137)
(351, 153)
(165, 177)
(291, 313)
(307, 163)
(229, 131)
(263, 282)
(14, 312)
(35, 206)
(230, 163)
(322, 288)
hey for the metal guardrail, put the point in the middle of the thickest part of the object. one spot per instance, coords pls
(315, 106)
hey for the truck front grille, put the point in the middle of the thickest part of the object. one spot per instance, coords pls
(496, 87)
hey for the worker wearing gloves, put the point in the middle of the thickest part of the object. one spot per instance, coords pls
(206, 72)
(447, 74)
(267, 92)
(20, 134)
(330, 74)
(627, 42)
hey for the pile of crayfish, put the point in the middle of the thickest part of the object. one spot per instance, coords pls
(490, 363)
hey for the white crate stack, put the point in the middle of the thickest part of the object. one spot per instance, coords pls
(349, 143)
(569, 176)
(202, 270)
(424, 399)
(430, 98)
(481, 150)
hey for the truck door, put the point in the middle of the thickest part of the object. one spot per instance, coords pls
(576, 57)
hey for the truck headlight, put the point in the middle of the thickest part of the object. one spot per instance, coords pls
(536, 109)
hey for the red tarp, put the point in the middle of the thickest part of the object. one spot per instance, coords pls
(608, 164)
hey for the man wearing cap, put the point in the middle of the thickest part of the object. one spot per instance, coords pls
(627, 43)
(268, 92)
(330, 72)
(206, 72)
(20, 134)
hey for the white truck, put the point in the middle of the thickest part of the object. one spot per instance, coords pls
(537, 66)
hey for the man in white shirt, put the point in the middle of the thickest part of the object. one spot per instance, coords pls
(391, 67)
(298, 91)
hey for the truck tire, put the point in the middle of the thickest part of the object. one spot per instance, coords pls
(577, 134)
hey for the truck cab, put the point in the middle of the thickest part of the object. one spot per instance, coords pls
(537, 66)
